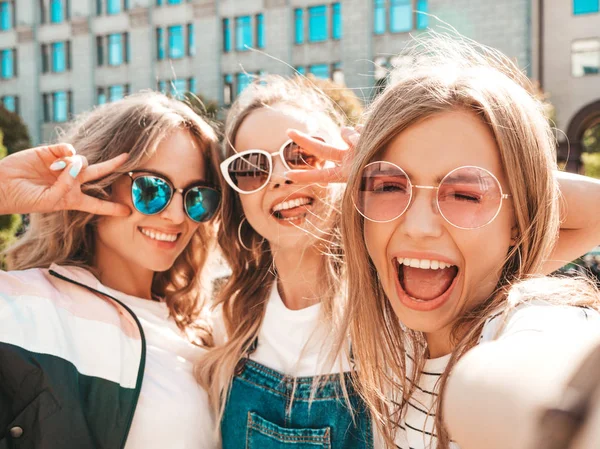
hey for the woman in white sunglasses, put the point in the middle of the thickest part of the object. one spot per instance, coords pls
(273, 382)
(450, 216)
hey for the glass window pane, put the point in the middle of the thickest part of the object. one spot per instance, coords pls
(116, 92)
(400, 16)
(422, 17)
(113, 6)
(226, 35)
(58, 57)
(585, 6)
(320, 70)
(5, 16)
(101, 96)
(379, 16)
(160, 44)
(243, 33)
(162, 86)
(174, 2)
(336, 28)
(299, 26)
(10, 103)
(60, 111)
(317, 24)
(179, 88)
(191, 39)
(176, 45)
(260, 31)
(56, 11)
(585, 57)
(115, 49)
(7, 63)
(243, 80)
(192, 85)
(301, 70)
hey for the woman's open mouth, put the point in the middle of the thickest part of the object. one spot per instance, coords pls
(293, 210)
(424, 284)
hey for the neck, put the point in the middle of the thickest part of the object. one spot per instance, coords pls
(439, 342)
(298, 275)
(122, 275)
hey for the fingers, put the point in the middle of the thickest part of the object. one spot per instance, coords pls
(100, 207)
(317, 147)
(97, 171)
(325, 176)
(61, 150)
(350, 136)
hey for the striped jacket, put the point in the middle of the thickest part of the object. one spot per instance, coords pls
(72, 360)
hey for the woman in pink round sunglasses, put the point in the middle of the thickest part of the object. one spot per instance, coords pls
(450, 217)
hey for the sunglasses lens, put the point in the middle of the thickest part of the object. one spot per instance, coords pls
(384, 193)
(201, 203)
(150, 194)
(298, 159)
(250, 171)
(469, 197)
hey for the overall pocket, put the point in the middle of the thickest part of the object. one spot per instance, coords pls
(263, 434)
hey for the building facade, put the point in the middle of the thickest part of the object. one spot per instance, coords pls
(62, 57)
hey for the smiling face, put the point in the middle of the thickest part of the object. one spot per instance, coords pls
(154, 242)
(430, 270)
(285, 213)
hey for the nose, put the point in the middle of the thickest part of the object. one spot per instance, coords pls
(174, 211)
(277, 178)
(422, 219)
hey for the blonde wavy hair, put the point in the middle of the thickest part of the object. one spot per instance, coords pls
(134, 125)
(243, 299)
(446, 75)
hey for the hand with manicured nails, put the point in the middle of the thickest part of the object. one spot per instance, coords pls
(49, 179)
(341, 156)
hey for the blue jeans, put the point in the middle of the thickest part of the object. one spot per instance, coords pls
(258, 414)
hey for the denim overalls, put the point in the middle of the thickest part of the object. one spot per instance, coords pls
(258, 413)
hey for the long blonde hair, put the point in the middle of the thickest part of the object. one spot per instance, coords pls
(446, 75)
(243, 298)
(134, 125)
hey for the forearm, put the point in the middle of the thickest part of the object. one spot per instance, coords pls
(498, 390)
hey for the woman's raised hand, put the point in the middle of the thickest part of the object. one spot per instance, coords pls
(342, 156)
(49, 179)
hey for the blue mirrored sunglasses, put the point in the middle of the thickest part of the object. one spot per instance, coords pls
(152, 193)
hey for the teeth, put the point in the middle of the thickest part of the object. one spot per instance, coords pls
(290, 204)
(159, 235)
(424, 264)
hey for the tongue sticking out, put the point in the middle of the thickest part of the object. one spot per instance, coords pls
(426, 284)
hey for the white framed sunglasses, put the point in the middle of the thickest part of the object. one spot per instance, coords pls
(250, 171)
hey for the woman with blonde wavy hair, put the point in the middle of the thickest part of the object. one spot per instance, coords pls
(450, 212)
(271, 382)
(100, 323)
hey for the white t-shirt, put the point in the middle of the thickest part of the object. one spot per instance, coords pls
(293, 342)
(416, 426)
(173, 410)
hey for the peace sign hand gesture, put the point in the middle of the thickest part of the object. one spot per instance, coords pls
(49, 179)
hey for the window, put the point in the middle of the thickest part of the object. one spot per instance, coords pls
(8, 63)
(117, 49)
(57, 106)
(317, 23)
(160, 44)
(336, 22)
(226, 35)
(243, 80)
(176, 43)
(585, 57)
(192, 85)
(162, 87)
(243, 33)
(260, 31)
(585, 6)
(168, 2)
(320, 70)
(61, 60)
(401, 16)
(301, 70)
(6, 15)
(379, 16)
(179, 88)
(337, 74)
(227, 89)
(59, 11)
(114, 6)
(101, 96)
(11, 103)
(422, 17)
(117, 92)
(191, 38)
(299, 24)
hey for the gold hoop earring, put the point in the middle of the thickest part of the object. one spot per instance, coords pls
(239, 234)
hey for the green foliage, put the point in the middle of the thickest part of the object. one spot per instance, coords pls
(201, 106)
(16, 135)
(591, 139)
(9, 224)
(591, 164)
